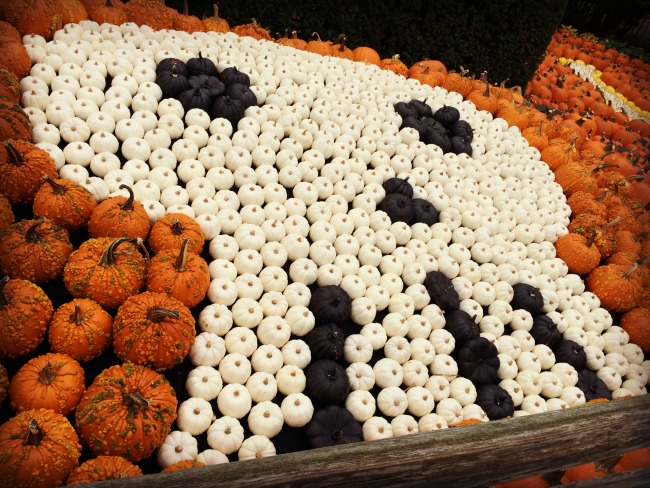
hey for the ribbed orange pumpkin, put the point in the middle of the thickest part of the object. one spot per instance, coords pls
(119, 217)
(9, 86)
(365, 54)
(41, 17)
(395, 65)
(636, 323)
(181, 465)
(216, 23)
(14, 123)
(25, 312)
(484, 98)
(34, 250)
(580, 256)
(98, 271)
(80, 328)
(186, 22)
(109, 12)
(54, 381)
(152, 13)
(103, 468)
(65, 202)
(153, 329)
(22, 166)
(14, 55)
(38, 449)
(617, 287)
(127, 411)
(169, 232)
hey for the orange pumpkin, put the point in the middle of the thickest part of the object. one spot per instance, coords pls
(25, 312)
(14, 56)
(153, 329)
(4, 383)
(119, 217)
(80, 328)
(254, 30)
(457, 82)
(318, 46)
(103, 468)
(109, 12)
(181, 274)
(186, 22)
(54, 381)
(484, 98)
(636, 323)
(180, 465)
(9, 86)
(34, 250)
(127, 411)
(292, 41)
(23, 166)
(169, 232)
(365, 54)
(216, 23)
(152, 13)
(639, 458)
(395, 65)
(580, 255)
(65, 202)
(617, 287)
(98, 271)
(14, 123)
(38, 449)
(6, 213)
(40, 17)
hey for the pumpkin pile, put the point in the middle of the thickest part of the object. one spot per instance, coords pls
(365, 281)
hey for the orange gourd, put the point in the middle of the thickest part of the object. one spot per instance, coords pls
(169, 232)
(216, 23)
(119, 217)
(484, 98)
(103, 468)
(109, 12)
(254, 30)
(6, 213)
(365, 54)
(23, 166)
(152, 13)
(65, 202)
(636, 323)
(395, 65)
(580, 255)
(14, 123)
(617, 287)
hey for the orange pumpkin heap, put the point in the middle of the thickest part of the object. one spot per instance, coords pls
(103, 468)
(97, 271)
(127, 411)
(22, 166)
(65, 202)
(54, 381)
(119, 217)
(38, 449)
(34, 250)
(25, 312)
(153, 329)
(80, 328)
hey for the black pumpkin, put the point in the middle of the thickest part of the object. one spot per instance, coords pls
(398, 207)
(231, 75)
(441, 291)
(398, 185)
(405, 109)
(172, 82)
(326, 342)
(495, 401)
(572, 353)
(421, 108)
(229, 109)
(462, 326)
(478, 361)
(423, 212)
(592, 386)
(414, 123)
(211, 84)
(195, 98)
(462, 129)
(527, 297)
(327, 382)
(332, 426)
(240, 92)
(330, 303)
(201, 66)
(432, 123)
(438, 138)
(447, 115)
(545, 331)
(460, 145)
(168, 63)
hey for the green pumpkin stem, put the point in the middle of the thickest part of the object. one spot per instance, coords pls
(128, 203)
(33, 235)
(15, 157)
(108, 256)
(181, 260)
(34, 434)
(46, 375)
(57, 188)
(136, 398)
(158, 314)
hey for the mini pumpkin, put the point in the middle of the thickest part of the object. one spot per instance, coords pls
(572, 353)
(478, 361)
(170, 231)
(495, 401)
(423, 212)
(332, 426)
(398, 207)
(119, 216)
(441, 291)
(527, 297)
(22, 166)
(545, 331)
(35, 250)
(326, 342)
(65, 202)
(103, 468)
(127, 411)
(327, 382)
(398, 185)
(461, 325)
(592, 386)
(53, 380)
(330, 304)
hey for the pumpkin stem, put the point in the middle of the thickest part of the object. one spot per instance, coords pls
(47, 375)
(631, 270)
(77, 316)
(158, 314)
(186, 11)
(316, 36)
(136, 398)
(128, 203)
(33, 235)
(176, 227)
(539, 131)
(57, 188)
(591, 238)
(15, 157)
(601, 197)
(108, 256)
(337, 434)
(215, 8)
(34, 434)
(181, 261)
(612, 223)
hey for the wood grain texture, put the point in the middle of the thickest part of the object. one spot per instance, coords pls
(471, 456)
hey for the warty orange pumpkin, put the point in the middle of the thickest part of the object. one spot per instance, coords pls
(216, 23)
(14, 123)
(23, 166)
(6, 212)
(103, 468)
(119, 217)
(169, 232)
(617, 286)
(67, 203)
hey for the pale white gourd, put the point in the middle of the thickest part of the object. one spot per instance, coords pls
(177, 446)
(297, 409)
(376, 428)
(291, 379)
(194, 415)
(204, 382)
(392, 401)
(262, 386)
(208, 349)
(226, 435)
(234, 400)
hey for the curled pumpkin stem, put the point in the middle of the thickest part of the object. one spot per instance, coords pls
(47, 375)
(158, 314)
(57, 188)
(128, 203)
(34, 434)
(15, 157)
(33, 235)
(181, 261)
(108, 256)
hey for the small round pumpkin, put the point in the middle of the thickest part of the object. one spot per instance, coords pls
(617, 286)
(495, 401)
(54, 381)
(326, 342)
(98, 271)
(22, 166)
(441, 291)
(38, 449)
(478, 361)
(127, 411)
(103, 468)
(333, 426)
(35, 250)
(330, 303)
(80, 328)
(527, 297)
(179, 273)
(153, 329)
(592, 386)
(25, 312)
(119, 217)
(65, 202)
(181, 465)
(570, 352)
(170, 231)
(327, 382)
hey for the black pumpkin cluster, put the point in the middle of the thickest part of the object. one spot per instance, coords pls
(199, 84)
(442, 127)
(400, 206)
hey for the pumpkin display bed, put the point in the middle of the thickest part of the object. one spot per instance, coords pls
(376, 255)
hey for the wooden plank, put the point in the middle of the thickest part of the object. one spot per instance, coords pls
(638, 478)
(476, 455)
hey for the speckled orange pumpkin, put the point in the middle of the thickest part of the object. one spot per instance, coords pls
(22, 166)
(169, 232)
(119, 217)
(64, 202)
(103, 468)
